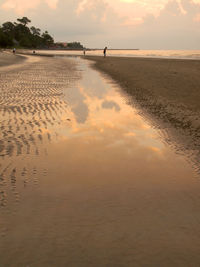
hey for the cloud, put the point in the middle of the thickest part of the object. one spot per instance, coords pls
(134, 11)
(174, 28)
(137, 8)
(91, 26)
(145, 24)
(21, 6)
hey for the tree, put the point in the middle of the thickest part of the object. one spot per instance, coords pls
(75, 45)
(8, 27)
(19, 34)
(35, 31)
(36, 39)
(5, 39)
(24, 21)
(47, 39)
(22, 35)
(7, 34)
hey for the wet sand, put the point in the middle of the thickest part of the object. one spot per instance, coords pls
(7, 58)
(84, 179)
(166, 90)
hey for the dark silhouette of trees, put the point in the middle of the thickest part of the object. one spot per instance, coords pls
(24, 21)
(5, 39)
(75, 45)
(47, 39)
(20, 35)
(7, 34)
(35, 31)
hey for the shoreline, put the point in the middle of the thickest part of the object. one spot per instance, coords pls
(166, 92)
(147, 54)
(176, 80)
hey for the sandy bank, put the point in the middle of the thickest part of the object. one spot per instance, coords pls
(166, 90)
(174, 80)
(9, 59)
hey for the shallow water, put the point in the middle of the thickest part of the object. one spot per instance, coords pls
(84, 179)
(177, 54)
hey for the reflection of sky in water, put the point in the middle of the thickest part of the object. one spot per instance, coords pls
(76, 101)
(98, 111)
(91, 87)
(110, 105)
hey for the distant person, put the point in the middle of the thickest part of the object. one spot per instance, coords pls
(84, 51)
(104, 51)
(33, 51)
(14, 50)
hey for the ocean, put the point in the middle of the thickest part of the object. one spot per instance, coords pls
(176, 54)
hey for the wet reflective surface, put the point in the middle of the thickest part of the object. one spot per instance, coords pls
(85, 180)
(179, 54)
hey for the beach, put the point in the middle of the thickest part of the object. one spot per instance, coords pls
(166, 90)
(86, 175)
(175, 81)
(7, 58)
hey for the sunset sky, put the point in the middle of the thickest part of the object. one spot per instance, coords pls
(144, 24)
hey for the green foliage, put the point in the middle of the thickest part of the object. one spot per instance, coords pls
(47, 39)
(5, 39)
(75, 45)
(21, 35)
(35, 31)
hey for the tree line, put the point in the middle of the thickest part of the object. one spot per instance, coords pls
(72, 45)
(19, 34)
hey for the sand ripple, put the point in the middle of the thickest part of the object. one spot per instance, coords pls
(31, 108)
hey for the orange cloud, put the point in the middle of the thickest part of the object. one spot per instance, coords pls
(128, 8)
(135, 10)
(20, 6)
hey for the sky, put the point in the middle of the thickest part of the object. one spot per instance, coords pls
(143, 24)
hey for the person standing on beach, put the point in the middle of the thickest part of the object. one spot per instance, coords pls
(14, 50)
(104, 51)
(84, 50)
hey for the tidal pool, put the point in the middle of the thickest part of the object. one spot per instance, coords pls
(84, 179)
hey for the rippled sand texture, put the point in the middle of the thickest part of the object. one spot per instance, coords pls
(30, 109)
(85, 180)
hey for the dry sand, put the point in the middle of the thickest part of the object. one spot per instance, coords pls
(167, 91)
(7, 58)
